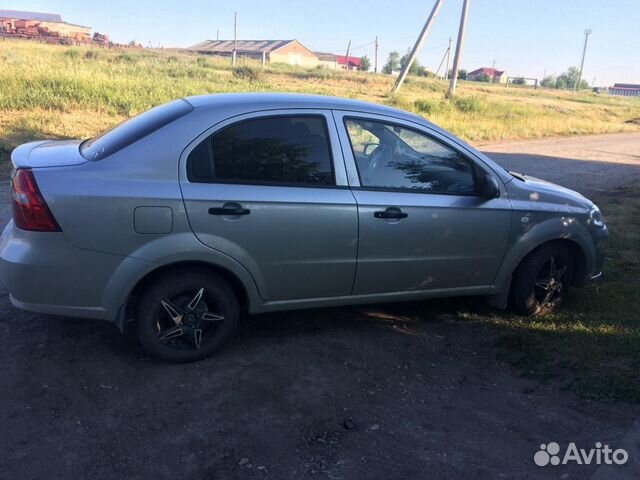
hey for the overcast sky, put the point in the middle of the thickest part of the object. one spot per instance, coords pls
(524, 37)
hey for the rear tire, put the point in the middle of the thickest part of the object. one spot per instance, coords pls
(186, 316)
(542, 280)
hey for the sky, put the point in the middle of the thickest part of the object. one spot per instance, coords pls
(524, 37)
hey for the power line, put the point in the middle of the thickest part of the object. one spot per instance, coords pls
(362, 46)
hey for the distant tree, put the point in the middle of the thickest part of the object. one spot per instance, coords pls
(365, 64)
(462, 74)
(415, 66)
(568, 79)
(393, 63)
(519, 81)
(484, 78)
(548, 82)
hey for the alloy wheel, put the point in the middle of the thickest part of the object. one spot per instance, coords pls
(186, 320)
(549, 283)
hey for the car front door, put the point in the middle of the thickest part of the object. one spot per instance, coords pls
(423, 226)
(270, 190)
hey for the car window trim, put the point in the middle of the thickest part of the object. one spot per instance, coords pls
(258, 182)
(474, 166)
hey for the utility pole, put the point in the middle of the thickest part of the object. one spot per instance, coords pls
(494, 64)
(456, 58)
(446, 53)
(347, 59)
(375, 64)
(217, 35)
(417, 46)
(587, 32)
(235, 38)
(446, 72)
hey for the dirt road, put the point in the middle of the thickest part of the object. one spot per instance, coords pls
(392, 391)
(587, 164)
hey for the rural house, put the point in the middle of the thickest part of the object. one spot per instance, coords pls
(291, 52)
(327, 60)
(625, 89)
(496, 76)
(35, 24)
(352, 63)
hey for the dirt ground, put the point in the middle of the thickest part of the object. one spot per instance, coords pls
(389, 391)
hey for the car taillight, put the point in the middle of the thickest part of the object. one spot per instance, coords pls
(30, 211)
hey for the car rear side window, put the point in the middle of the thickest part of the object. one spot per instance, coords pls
(279, 150)
(133, 129)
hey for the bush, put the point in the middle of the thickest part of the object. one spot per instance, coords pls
(318, 73)
(72, 53)
(245, 72)
(203, 62)
(393, 100)
(172, 59)
(431, 107)
(91, 55)
(424, 106)
(468, 104)
(125, 58)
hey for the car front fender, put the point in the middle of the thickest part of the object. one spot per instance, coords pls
(527, 236)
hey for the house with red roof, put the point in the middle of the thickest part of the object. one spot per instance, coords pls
(351, 63)
(495, 75)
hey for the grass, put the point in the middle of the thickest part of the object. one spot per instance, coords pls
(592, 344)
(49, 91)
(90, 89)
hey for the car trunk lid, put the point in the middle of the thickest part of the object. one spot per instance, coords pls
(47, 153)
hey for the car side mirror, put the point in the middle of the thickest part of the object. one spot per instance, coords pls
(489, 187)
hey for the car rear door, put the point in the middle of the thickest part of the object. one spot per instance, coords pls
(422, 226)
(270, 190)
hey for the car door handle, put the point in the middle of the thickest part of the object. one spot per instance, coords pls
(390, 213)
(230, 211)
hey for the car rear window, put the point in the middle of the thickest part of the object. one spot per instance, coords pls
(133, 129)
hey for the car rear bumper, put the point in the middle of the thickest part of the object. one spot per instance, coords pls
(45, 273)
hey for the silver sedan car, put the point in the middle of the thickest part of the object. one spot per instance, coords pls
(185, 216)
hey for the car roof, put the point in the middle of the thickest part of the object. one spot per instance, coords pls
(270, 101)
